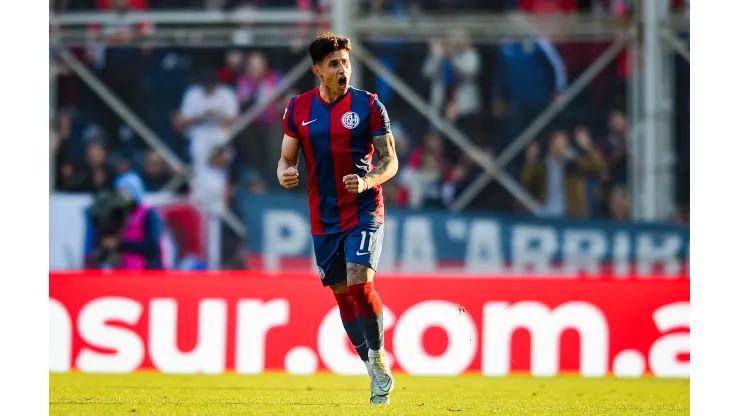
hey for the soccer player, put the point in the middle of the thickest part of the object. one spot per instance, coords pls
(339, 128)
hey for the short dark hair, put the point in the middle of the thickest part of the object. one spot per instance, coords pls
(325, 44)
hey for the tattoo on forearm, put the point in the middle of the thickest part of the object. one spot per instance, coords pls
(387, 161)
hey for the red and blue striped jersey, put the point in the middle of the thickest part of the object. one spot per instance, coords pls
(337, 140)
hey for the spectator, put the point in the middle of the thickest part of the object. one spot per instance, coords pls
(120, 164)
(388, 48)
(123, 5)
(619, 204)
(559, 182)
(548, 6)
(613, 149)
(208, 111)
(234, 64)
(529, 74)
(209, 187)
(259, 143)
(96, 176)
(63, 169)
(155, 175)
(492, 198)
(427, 170)
(120, 63)
(611, 7)
(67, 83)
(139, 246)
(67, 177)
(452, 68)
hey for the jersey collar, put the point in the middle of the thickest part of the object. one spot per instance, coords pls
(322, 101)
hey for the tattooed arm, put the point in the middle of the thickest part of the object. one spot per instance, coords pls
(387, 161)
(384, 171)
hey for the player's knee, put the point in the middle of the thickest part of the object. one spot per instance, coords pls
(347, 310)
(358, 274)
(339, 288)
(366, 299)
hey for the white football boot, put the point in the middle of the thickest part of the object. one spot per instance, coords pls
(382, 380)
(375, 399)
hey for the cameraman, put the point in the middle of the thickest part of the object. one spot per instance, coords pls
(122, 232)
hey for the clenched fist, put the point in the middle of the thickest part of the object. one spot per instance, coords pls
(355, 184)
(289, 178)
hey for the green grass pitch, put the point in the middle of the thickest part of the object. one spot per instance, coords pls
(324, 394)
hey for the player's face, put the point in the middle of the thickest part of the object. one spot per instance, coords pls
(335, 71)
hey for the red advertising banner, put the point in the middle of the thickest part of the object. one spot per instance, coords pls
(253, 322)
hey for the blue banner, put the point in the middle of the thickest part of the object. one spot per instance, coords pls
(434, 241)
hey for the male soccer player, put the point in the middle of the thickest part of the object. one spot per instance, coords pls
(339, 128)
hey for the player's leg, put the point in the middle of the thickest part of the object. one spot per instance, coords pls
(362, 250)
(354, 330)
(331, 263)
(368, 302)
(370, 319)
(348, 314)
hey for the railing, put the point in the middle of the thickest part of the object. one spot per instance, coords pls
(273, 27)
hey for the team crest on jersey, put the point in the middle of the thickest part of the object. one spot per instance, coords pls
(321, 273)
(350, 120)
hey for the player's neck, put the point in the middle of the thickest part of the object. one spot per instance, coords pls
(329, 96)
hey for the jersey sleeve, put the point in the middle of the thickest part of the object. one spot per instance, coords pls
(380, 124)
(289, 128)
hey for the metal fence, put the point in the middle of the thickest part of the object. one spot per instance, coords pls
(650, 36)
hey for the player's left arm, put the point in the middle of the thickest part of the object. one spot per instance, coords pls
(385, 145)
(387, 166)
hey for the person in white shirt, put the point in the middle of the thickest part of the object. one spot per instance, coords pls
(208, 111)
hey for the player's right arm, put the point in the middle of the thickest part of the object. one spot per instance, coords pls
(287, 169)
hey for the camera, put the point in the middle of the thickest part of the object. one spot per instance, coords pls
(109, 213)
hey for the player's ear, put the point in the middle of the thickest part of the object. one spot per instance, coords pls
(315, 70)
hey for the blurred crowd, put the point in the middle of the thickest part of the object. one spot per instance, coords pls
(532, 6)
(577, 167)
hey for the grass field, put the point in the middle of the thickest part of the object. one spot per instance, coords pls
(279, 394)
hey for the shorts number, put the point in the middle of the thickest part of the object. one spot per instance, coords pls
(362, 241)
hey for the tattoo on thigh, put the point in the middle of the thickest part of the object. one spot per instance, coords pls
(357, 273)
